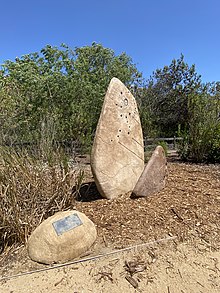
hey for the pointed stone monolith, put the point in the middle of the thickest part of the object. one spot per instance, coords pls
(117, 158)
(152, 179)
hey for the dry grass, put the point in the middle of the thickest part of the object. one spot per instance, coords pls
(30, 191)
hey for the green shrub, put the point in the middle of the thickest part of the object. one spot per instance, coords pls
(201, 138)
(164, 146)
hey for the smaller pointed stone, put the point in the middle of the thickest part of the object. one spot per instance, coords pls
(152, 179)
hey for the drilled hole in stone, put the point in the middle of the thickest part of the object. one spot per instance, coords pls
(119, 130)
(121, 115)
(129, 113)
(125, 102)
(121, 93)
(128, 132)
(116, 104)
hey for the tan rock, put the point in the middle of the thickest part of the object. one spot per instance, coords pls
(64, 236)
(152, 179)
(117, 158)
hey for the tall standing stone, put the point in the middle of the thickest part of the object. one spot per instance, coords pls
(117, 158)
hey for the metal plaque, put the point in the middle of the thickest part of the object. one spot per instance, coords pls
(68, 223)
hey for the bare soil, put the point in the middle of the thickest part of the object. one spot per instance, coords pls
(188, 208)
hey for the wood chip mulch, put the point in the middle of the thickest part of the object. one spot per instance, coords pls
(188, 205)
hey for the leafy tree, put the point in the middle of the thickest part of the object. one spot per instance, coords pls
(201, 141)
(175, 101)
(167, 93)
(59, 91)
(145, 110)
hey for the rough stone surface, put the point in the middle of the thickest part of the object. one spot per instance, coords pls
(57, 240)
(117, 158)
(152, 179)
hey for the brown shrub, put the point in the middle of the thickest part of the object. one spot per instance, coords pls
(30, 191)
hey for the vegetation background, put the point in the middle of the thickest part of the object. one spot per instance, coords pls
(55, 97)
(51, 101)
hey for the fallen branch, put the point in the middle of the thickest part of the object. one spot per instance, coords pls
(89, 258)
(132, 281)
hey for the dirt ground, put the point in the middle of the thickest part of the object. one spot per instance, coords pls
(179, 229)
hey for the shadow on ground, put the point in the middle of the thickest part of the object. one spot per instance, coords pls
(87, 192)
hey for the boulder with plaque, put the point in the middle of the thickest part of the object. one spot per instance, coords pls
(62, 237)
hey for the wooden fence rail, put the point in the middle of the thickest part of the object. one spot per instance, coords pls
(171, 141)
(75, 146)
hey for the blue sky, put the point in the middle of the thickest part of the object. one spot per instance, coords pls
(152, 32)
